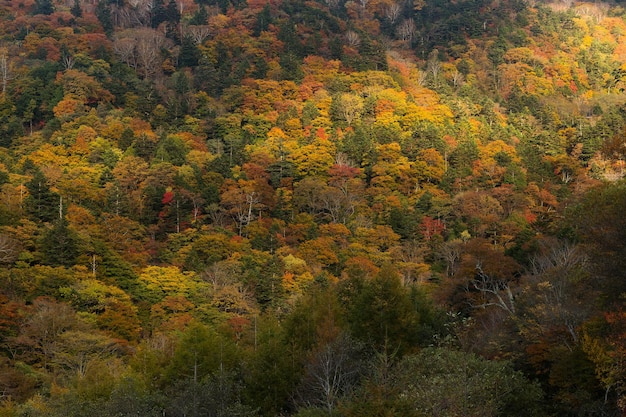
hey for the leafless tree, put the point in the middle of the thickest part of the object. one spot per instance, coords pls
(141, 49)
(595, 11)
(339, 206)
(336, 202)
(199, 33)
(124, 48)
(124, 17)
(564, 256)
(411, 261)
(217, 215)
(422, 76)
(434, 66)
(68, 61)
(41, 331)
(222, 273)
(5, 68)
(9, 250)
(149, 45)
(353, 39)
(197, 203)
(497, 290)
(332, 373)
(451, 253)
(457, 78)
(77, 350)
(558, 291)
(342, 158)
(406, 30)
(241, 203)
(134, 13)
(392, 12)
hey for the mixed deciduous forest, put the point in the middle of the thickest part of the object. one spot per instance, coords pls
(312, 208)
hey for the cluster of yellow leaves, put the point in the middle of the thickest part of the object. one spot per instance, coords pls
(164, 281)
(488, 166)
(319, 69)
(392, 170)
(426, 106)
(296, 276)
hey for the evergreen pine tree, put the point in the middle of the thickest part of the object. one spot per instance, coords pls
(290, 67)
(41, 204)
(10, 126)
(113, 268)
(263, 21)
(126, 139)
(373, 56)
(103, 13)
(288, 34)
(159, 13)
(60, 245)
(220, 73)
(43, 7)
(172, 20)
(172, 14)
(206, 77)
(189, 55)
(223, 5)
(260, 68)
(336, 48)
(76, 10)
(200, 16)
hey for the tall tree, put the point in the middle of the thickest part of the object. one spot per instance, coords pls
(189, 55)
(274, 370)
(45, 7)
(76, 10)
(332, 373)
(200, 17)
(10, 126)
(41, 203)
(103, 13)
(60, 245)
(380, 312)
(263, 20)
(158, 13)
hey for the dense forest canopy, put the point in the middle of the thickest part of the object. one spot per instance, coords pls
(312, 208)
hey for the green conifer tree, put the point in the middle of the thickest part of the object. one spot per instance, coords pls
(200, 16)
(76, 10)
(60, 245)
(42, 204)
(159, 13)
(263, 21)
(43, 7)
(103, 13)
(189, 55)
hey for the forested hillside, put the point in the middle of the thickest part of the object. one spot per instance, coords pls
(312, 208)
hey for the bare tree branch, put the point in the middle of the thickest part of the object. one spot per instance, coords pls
(498, 288)
(9, 249)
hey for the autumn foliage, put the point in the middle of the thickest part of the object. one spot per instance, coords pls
(292, 208)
